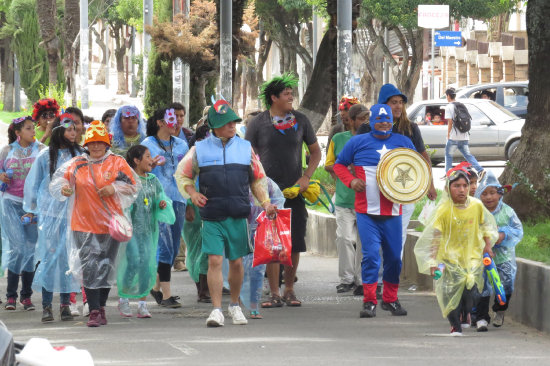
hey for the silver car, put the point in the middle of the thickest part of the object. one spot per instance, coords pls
(494, 134)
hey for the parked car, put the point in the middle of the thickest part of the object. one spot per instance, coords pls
(512, 95)
(494, 135)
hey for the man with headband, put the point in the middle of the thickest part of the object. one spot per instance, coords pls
(378, 219)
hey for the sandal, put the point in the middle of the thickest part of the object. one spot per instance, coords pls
(254, 314)
(291, 300)
(274, 301)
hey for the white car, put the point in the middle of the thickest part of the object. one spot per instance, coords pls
(494, 135)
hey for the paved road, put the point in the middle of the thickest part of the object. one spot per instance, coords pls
(327, 329)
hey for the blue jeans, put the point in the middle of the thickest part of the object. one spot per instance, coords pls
(47, 298)
(464, 149)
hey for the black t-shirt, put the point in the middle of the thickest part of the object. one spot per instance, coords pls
(280, 154)
(416, 136)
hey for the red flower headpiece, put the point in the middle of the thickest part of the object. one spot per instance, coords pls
(44, 105)
(346, 102)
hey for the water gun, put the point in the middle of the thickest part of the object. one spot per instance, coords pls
(494, 278)
(439, 271)
(4, 186)
(27, 220)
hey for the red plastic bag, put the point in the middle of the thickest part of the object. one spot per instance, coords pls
(272, 241)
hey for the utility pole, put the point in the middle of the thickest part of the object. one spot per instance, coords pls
(386, 76)
(344, 47)
(84, 53)
(226, 50)
(107, 51)
(180, 70)
(134, 92)
(147, 20)
(315, 32)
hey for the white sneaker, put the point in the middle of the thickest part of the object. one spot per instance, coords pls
(498, 320)
(143, 312)
(124, 308)
(465, 325)
(237, 314)
(74, 310)
(85, 310)
(482, 325)
(215, 319)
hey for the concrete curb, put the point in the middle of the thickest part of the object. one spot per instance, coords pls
(529, 304)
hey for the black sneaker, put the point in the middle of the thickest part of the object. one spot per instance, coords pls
(394, 307)
(27, 304)
(47, 315)
(344, 287)
(65, 312)
(358, 291)
(379, 292)
(369, 310)
(226, 291)
(157, 295)
(170, 303)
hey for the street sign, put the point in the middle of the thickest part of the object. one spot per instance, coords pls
(433, 16)
(448, 39)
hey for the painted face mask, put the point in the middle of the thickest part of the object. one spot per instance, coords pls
(380, 113)
(170, 118)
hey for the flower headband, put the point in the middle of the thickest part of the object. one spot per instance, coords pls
(66, 120)
(20, 119)
(346, 102)
(170, 118)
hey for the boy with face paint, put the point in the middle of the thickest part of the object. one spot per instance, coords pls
(378, 219)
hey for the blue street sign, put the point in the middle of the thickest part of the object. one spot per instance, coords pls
(448, 39)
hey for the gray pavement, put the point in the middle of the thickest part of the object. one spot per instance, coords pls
(325, 330)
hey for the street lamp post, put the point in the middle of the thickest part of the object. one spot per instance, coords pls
(344, 48)
(226, 50)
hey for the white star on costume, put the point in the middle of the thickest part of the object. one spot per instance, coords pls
(383, 150)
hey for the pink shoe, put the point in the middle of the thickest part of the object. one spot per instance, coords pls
(103, 320)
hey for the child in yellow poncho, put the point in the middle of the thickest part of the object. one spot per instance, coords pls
(454, 241)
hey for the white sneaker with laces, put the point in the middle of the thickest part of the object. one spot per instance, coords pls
(498, 320)
(85, 310)
(215, 319)
(143, 312)
(124, 308)
(74, 309)
(237, 314)
(482, 325)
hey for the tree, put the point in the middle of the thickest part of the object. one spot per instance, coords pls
(530, 164)
(47, 18)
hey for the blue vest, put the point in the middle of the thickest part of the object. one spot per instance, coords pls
(224, 173)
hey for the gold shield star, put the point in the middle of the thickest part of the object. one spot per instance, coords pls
(403, 176)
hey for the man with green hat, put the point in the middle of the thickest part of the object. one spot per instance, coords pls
(226, 168)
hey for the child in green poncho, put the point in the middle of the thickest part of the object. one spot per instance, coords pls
(137, 268)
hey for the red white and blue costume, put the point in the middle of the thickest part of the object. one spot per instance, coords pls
(378, 219)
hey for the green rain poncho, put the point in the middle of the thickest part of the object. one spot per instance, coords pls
(454, 237)
(197, 261)
(137, 268)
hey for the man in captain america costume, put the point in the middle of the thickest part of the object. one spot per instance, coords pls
(378, 219)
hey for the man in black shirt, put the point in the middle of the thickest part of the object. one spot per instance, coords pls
(277, 136)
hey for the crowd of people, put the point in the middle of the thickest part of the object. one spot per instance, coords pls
(85, 206)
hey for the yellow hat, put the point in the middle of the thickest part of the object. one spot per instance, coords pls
(97, 132)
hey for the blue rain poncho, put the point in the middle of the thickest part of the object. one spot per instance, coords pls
(505, 252)
(453, 236)
(137, 267)
(172, 151)
(18, 239)
(52, 248)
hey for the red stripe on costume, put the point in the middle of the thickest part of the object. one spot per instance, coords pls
(386, 206)
(343, 173)
(361, 204)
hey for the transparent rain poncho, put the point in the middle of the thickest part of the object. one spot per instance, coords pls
(453, 236)
(18, 239)
(137, 267)
(52, 247)
(505, 252)
(93, 251)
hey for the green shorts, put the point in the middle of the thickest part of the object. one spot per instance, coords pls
(229, 236)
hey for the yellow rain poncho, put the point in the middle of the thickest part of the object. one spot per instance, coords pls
(454, 237)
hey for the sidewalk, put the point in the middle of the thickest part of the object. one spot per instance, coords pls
(325, 330)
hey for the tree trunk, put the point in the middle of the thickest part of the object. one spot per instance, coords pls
(530, 164)
(100, 40)
(320, 92)
(47, 20)
(71, 27)
(7, 78)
